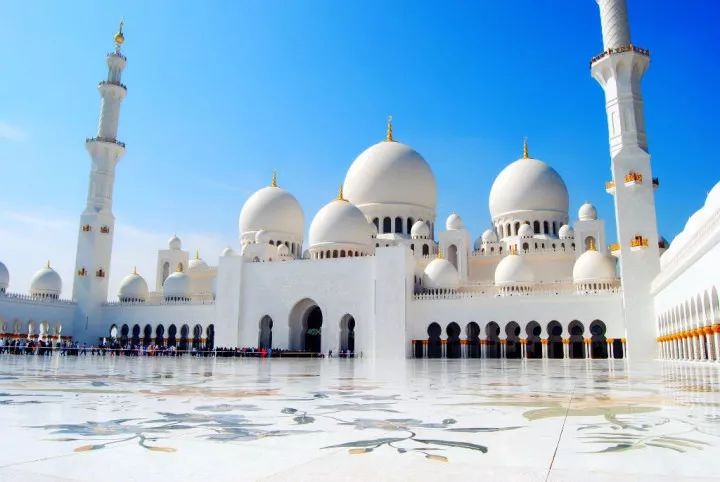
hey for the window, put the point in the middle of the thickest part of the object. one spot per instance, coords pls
(410, 222)
(86, 228)
(376, 222)
(545, 227)
(105, 230)
(398, 225)
(387, 225)
(536, 227)
(425, 250)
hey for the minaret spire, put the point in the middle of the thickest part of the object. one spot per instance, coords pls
(526, 154)
(389, 130)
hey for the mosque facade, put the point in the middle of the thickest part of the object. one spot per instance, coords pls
(377, 276)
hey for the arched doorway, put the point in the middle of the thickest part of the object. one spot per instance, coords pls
(452, 255)
(113, 332)
(184, 337)
(147, 335)
(265, 335)
(305, 322)
(492, 343)
(136, 335)
(555, 343)
(577, 342)
(453, 349)
(210, 337)
(617, 347)
(598, 341)
(472, 331)
(124, 332)
(160, 335)
(197, 337)
(347, 334)
(512, 342)
(434, 343)
(172, 333)
(534, 343)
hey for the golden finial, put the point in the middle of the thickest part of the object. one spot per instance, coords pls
(179, 268)
(134, 270)
(119, 37)
(440, 253)
(197, 253)
(48, 264)
(388, 132)
(513, 249)
(340, 196)
(273, 183)
(526, 155)
(591, 244)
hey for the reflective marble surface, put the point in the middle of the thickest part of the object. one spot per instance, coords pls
(115, 418)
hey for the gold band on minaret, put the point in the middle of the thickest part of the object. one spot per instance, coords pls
(273, 182)
(388, 130)
(526, 154)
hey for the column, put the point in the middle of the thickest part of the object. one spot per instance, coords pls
(716, 335)
(624, 344)
(587, 348)
(544, 343)
(610, 348)
(566, 347)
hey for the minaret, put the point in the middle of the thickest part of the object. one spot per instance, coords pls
(619, 70)
(97, 222)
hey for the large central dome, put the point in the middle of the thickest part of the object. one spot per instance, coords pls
(528, 185)
(390, 172)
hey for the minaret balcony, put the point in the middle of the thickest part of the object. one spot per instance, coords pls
(638, 242)
(112, 82)
(614, 248)
(620, 50)
(610, 187)
(633, 179)
(105, 139)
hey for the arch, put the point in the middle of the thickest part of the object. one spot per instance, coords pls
(113, 331)
(165, 272)
(160, 335)
(492, 340)
(305, 323)
(434, 343)
(410, 222)
(265, 332)
(512, 340)
(589, 241)
(197, 337)
(577, 341)
(136, 335)
(598, 341)
(184, 337)
(124, 332)
(555, 342)
(453, 255)
(516, 228)
(210, 337)
(545, 227)
(147, 335)
(172, 334)
(376, 222)
(617, 346)
(533, 330)
(536, 227)
(398, 225)
(387, 225)
(453, 349)
(472, 332)
(426, 250)
(347, 334)
(715, 304)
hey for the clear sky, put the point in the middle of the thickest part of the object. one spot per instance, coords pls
(222, 93)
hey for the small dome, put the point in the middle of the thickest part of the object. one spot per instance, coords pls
(420, 229)
(46, 282)
(587, 212)
(528, 185)
(390, 172)
(133, 288)
(197, 264)
(283, 250)
(593, 265)
(489, 236)
(174, 243)
(4, 277)
(566, 232)
(514, 270)
(340, 222)
(272, 209)
(177, 285)
(526, 231)
(262, 237)
(454, 222)
(227, 252)
(440, 274)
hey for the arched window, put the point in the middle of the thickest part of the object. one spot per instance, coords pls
(412, 248)
(508, 231)
(426, 250)
(335, 253)
(410, 222)
(387, 225)
(398, 225)
(342, 253)
(536, 227)
(516, 228)
(272, 243)
(545, 227)
(376, 222)
(165, 271)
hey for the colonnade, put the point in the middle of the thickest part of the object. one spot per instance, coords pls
(486, 348)
(699, 344)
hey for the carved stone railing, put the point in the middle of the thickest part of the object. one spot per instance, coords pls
(39, 300)
(619, 50)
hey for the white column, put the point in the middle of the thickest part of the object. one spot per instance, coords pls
(611, 353)
(544, 348)
(716, 336)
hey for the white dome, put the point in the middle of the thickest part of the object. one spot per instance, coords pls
(587, 212)
(283, 250)
(391, 173)
(174, 243)
(133, 287)
(340, 222)
(526, 231)
(528, 185)
(177, 285)
(593, 265)
(489, 236)
(197, 264)
(4, 277)
(440, 274)
(514, 270)
(227, 252)
(272, 209)
(454, 222)
(419, 230)
(566, 232)
(46, 282)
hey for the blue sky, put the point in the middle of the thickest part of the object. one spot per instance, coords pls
(222, 93)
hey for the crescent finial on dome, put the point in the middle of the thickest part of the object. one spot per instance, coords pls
(48, 264)
(273, 182)
(197, 253)
(134, 270)
(526, 154)
(591, 244)
(119, 36)
(340, 196)
(389, 130)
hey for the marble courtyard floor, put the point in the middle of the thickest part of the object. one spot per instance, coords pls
(116, 418)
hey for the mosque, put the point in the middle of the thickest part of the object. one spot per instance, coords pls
(378, 277)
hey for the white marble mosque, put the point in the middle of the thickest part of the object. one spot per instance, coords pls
(378, 277)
